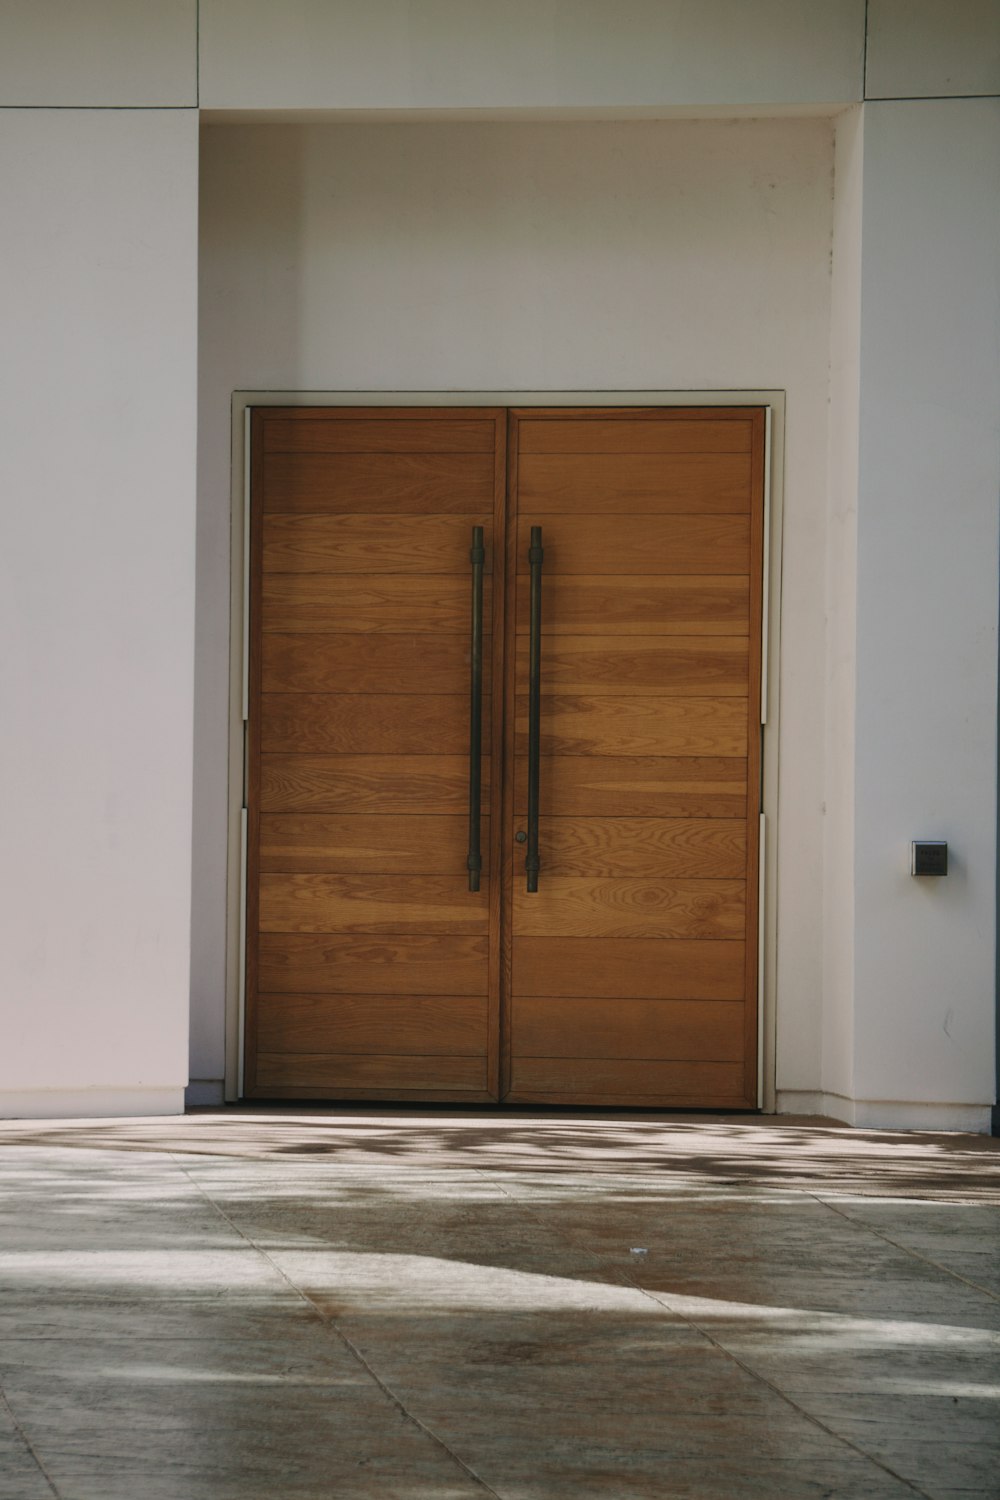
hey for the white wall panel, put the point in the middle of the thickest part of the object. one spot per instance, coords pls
(98, 52)
(97, 470)
(926, 763)
(428, 54)
(921, 48)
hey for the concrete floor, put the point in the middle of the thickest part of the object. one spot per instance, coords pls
(296, 1305)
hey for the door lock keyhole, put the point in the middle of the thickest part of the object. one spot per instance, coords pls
(520, 836)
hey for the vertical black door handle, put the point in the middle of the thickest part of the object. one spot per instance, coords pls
(477, 556)
(535, 558)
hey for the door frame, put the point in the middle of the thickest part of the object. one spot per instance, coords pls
(243, 403)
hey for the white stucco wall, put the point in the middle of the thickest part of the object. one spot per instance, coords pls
(492, 257)
(929, 485)
(534, 54)
(97, 471)
(98, 53)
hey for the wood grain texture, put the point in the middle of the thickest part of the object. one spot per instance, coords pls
(640, 605)
(655, 432)
(644, 848)
(697, 666)
(421, 1025)
(602, 545)
(371, 544)
(385, 904)
(574, 1077)
(621, 484)
(400, 784)
(310, 963)
(328, 1074)
(366, 844)
(367, 723)
(368, 663)
(373, 483)
(579, 786)
(376, 436)
(625, 907)
(629, 968)
(428, 604)
(587, 725)
(663, 1030)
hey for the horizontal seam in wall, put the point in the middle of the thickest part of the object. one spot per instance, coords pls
(921, 98)
(150, 109)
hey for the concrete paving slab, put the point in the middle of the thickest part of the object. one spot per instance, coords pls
(431, 1305)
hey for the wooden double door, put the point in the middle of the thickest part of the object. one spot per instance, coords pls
(629, 976)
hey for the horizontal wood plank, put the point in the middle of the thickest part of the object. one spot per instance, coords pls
(373, 544)
(622, 484)
(369, 663)
(696, 666)
(435, 604)
(602, 545)
(574, 1077)
(662, 1030)
(375, 435)
(625, 907)
(636, 786)
(629, 968)
(588, 725)
(420, 1025)
(627, 434)
(365, 844)
(310, 963)
(328, 1073)
(390, 483)
(644, 847)
(639, 605)
(401, 784)
(367, 723)
(372, 903)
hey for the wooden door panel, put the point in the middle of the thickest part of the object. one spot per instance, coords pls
(637, 848)
(367, 723)
(716, 665)
(610, 545)
(399, 784)
(587, 725)
(664, 1030)
(624, 907)
(640, 483)
(372, 969)
(349, 964)
(640, 605)
(394, 483)
(579, 786)
(633, 963)
(419, 604)
(366, 844)
(421, 1025)
(369, 544)
(629, 968)
(387, 904)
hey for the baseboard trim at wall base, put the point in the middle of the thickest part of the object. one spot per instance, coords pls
(89, 1104)
(886, 1114)
(202, 1093)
